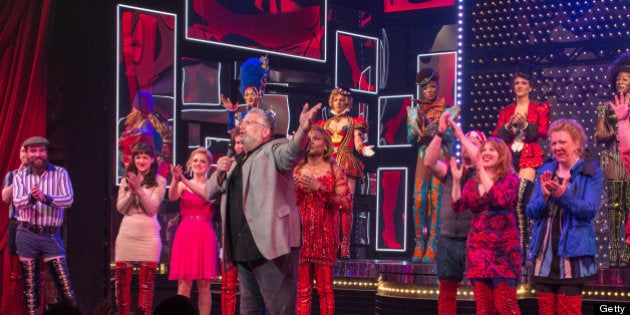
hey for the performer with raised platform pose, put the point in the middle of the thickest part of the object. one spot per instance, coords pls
(194, 253)
(617, 178)
(322, 192)
(450, 256)
(422, 126)
(521, 125)
(566, 198)
(347, 135)
(254, 72)
(139, 197)
(493, 261)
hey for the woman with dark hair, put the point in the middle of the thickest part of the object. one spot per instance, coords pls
(254, 72)
(521, 125)
(139, 197)
(346, 133)
(617, 178)
(322, 192)
(194, 254)
(422, 122)
(566, 198)
(493, 261)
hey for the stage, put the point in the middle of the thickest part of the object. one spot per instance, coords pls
(402, 287)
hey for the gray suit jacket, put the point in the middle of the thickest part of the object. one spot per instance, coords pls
(269, 200)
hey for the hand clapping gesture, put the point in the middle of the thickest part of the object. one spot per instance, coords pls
(551, 187)
(227, 103)
(456, 170)
(176, 171)
(309, 182)
(133, 180)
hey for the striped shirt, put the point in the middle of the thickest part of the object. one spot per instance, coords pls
(8, 180)
(55, 184)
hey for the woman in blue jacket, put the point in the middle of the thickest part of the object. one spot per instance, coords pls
(566, 198)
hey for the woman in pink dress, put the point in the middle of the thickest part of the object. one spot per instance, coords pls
(194, 252)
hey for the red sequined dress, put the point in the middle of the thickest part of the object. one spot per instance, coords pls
(320, 218)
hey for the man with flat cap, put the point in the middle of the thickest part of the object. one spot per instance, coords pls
(41, 192)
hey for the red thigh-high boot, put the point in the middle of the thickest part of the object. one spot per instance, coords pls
(304, 289)
(447, 301)
(390, 183)
(30, 272)
(146, 278)
(346, 230)
(483, 298)
(122, 288)
(546, 303)
(229, 282)
(505, 299)
(569, 304)
(324, 280)
(16, 285)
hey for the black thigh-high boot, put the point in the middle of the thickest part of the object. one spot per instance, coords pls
(615, 213)
(58, 269)
(30, 273)
(525, 189)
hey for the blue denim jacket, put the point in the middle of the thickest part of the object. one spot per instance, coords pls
(579, 202)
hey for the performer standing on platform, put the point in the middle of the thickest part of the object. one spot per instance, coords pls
(346, 133)
(617, 178)
(622, 112)
(521, 125)
(261, 222)
(139, 197)
(322, 192)
(194, 253)
(422, 122)
(450, 256)
(254, 72)
(16, 282)
(41, 192)
(566, 198)
(494, 254)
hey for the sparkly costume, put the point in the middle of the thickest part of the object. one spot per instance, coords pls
(427, 194)
(320, 226)
(343, 142)
(617, 184)
(526, 153)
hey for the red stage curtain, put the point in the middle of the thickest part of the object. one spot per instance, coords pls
(23, 33)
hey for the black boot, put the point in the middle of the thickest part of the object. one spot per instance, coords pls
(615, 213)
(30, 273)
(58, 269)
(525, 189)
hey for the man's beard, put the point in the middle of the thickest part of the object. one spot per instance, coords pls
(38, 164)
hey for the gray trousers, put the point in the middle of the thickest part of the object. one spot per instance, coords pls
(269, 284)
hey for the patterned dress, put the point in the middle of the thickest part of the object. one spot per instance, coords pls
(194, 253)
(493, 244)
(343, 141)
(320, 219)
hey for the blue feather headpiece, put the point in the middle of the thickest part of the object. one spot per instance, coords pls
(254, 72)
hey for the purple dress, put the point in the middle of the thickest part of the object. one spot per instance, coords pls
(194, 252)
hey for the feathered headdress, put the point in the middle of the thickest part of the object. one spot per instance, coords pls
(254, 72)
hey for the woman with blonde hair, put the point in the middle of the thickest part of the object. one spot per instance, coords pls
(322, 192)
(566, 197)
(194, 253)
(493, 261)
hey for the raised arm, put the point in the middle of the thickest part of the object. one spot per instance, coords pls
(432, 153)
(7, 188)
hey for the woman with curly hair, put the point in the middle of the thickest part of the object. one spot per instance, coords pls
(493, 261)
(617, 178)
(564, 204)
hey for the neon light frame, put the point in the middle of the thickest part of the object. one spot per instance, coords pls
(378, 134)
(375, 62)
(377, 239)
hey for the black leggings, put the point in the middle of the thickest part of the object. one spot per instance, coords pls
(566, 289)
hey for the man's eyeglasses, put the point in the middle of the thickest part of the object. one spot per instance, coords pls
(249, 122)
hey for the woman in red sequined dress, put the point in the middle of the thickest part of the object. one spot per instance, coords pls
(493, 258)
(322, 192)
(346, 133)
